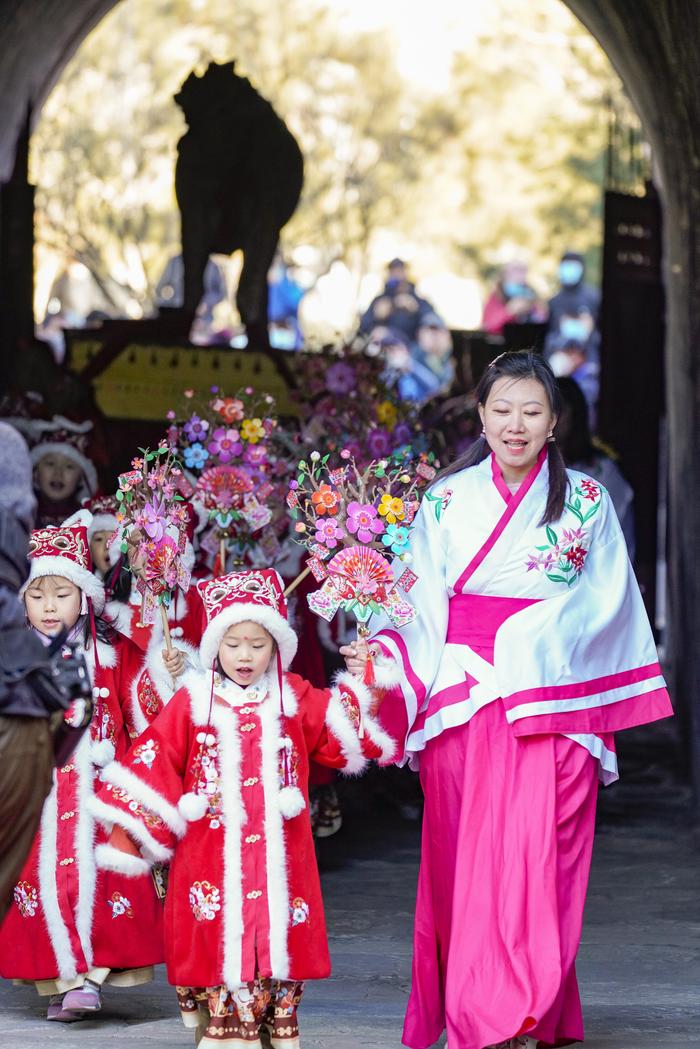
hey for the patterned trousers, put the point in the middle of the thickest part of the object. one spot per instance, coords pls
(258, 1015)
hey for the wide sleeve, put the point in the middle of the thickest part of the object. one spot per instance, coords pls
(340, 729)
(141, 793)
(584, 660)
(410, 655)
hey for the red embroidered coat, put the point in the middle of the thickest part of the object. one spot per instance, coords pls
(244, 895)
(67, 916)
(153, 687)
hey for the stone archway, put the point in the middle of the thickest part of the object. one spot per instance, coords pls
(653, 47)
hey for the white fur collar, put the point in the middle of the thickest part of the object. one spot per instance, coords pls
(106, 654)
(199, 685)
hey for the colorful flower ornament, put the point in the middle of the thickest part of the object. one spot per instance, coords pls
(326, 500)
(392, 508)
(228, 443)
(252, 430)
(225, 444)
(396, 538)
(195, 456)
(363, 521)
(348, 519)
(153, 521)
(196, 428)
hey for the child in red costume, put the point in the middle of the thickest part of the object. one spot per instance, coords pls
(70, 925)
(64, 474)
(218, 785)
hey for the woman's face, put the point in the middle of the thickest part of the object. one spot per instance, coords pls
(99, 552)
(517, 419)
(52, 602)
(57, 476)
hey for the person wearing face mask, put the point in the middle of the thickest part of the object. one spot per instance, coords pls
(512, 301)
(399, 307)
(574, 312)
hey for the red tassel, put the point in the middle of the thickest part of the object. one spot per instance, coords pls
(368, 675)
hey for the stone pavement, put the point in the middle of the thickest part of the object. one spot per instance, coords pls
(639, 964)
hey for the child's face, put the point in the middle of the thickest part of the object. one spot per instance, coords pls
(245, 652)
(57, 476)
(99, 552)
(52, 602)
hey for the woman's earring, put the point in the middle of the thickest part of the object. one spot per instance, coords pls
(551, 439)
(483, 433)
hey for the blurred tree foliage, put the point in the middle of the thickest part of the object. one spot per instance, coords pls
(510, 156)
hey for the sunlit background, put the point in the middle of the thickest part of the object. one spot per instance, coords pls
(457, 135)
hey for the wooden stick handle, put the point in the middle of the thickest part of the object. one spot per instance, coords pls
(222, 555)
(166, 629)
(299, 579)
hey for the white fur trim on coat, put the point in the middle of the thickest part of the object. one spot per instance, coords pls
(241, 612)
(119, 615)
(160, 678)
(291, 802)
(276, 854)
(91, 586)
(372, 728)
(48, 891)
(192, 807)
(110, 859)
(387, 672)
(102, 752)
(110, 815)
(224, 720)
(342, 728)
(119, 776)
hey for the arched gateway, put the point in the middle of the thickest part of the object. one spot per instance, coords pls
(654, 48)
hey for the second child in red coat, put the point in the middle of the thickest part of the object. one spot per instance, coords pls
(72, 927)
(218, 785)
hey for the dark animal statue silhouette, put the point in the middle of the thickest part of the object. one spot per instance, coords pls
(238, 180)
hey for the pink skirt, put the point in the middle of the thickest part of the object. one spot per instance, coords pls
(507, 839)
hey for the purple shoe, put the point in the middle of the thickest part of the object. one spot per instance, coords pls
(85, 999)
(56, 1011)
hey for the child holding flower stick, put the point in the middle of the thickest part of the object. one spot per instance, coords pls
(218, 785)
(71, 926)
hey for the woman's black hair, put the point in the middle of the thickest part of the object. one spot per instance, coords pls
(575, 437)
(516, 365)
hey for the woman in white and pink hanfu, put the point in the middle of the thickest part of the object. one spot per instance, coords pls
(531, 649)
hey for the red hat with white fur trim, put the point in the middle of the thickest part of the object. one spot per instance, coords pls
(65, 552)
(257, 596)
(62, 436)
(104, 510)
